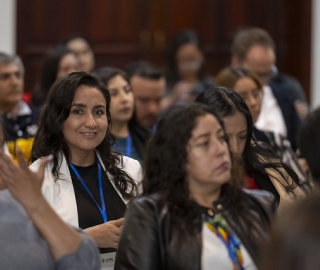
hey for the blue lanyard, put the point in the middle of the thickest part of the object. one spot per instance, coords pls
(102, 209)
(128, 146)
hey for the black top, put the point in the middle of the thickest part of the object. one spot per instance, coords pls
(264, 183)
(22, 126)
(88, 212)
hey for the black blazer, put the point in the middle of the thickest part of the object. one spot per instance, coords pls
(140, 137)
(282, 89)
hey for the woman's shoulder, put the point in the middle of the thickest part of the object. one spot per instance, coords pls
(262, 201)
(153, 202)
(132, 167)
(34, 166)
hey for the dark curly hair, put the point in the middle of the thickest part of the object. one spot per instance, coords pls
(164, 166)
(227, 102)
(50, 140)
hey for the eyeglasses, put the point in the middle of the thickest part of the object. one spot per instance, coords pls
(265, 76)
(194, 64)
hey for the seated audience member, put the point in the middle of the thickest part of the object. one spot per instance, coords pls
(254, 49)
(131, 138)
(148, 86)
(309, 141)
(296, 237)
(59, 62)
(20, 119)
(83, 50)
(32, 236)
(249, 87)
(262, 167)
(191, 215)
(185, 69)
(86, 183)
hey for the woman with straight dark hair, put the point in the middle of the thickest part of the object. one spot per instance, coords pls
(82, 47)
(131, 139)
(191, 215)
(185, 69)
(86, 183)
(59, 62)
(262, 167)
(247, 84)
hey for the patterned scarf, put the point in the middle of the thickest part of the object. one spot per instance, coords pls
(218, 225)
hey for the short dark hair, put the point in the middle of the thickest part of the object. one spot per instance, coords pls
(246, 38)
(145, 70)
(309, 142)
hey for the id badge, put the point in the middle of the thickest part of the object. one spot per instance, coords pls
(108, 260)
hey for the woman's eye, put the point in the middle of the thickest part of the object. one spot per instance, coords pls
(100, 112)
(128, 90)
(243, 137)
(206, 143)
(113, 93)
(77, 111)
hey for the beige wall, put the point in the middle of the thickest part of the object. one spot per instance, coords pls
(8, 26)
(315, 55)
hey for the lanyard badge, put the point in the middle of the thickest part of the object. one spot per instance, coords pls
(102, 209)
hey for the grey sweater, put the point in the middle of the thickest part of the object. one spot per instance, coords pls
(22, 246)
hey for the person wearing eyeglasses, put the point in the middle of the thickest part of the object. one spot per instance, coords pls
(284, 103)
(185, 69)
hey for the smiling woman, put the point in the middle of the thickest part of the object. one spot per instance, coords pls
(87, 184)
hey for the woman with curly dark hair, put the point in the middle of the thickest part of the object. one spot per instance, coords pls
(191, 216)
(262, 167)
(87, 184)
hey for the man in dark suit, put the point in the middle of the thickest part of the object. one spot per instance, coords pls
(284, 103)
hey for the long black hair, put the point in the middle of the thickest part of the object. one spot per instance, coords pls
(227, 102)
(49, 138)
(181, 39)
(49, 74)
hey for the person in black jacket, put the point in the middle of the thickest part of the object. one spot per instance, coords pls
(131, 138)
(248, 85)
(284, 103)
(263, 168)
(191, 204)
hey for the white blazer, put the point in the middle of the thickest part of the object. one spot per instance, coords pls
(60, 193)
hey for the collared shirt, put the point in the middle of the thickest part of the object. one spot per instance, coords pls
(21, 129)
(271, 118)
